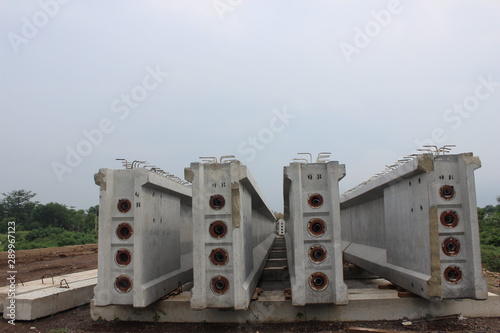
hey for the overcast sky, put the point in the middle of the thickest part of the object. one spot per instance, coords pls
(85, 82)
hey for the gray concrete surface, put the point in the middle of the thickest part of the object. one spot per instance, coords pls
(225, 194)
(400, 226)
(366, 303)
(37, 299)
(306, 236)
(145, 236)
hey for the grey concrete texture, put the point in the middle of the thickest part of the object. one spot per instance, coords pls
(417, 226)
(145, 236)
(313, 232)
(365, 304)
(233, 230)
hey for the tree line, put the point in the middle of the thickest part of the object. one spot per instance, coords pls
(489, 227)
(28, 214)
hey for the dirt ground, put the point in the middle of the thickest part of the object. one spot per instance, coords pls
(33, 264)
(37, 263)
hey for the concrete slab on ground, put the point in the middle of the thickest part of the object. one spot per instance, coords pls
(35, 299)
(366, 303)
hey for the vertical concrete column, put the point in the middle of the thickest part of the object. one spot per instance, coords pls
(145, 237)
(313, 233)
(233, 232)
(417, 226)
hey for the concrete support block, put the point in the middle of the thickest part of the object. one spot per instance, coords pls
(271, 307)
(233, 230)
(417, 227)
(40, 298)
(145, 236)
(313, 232)
(45, 302)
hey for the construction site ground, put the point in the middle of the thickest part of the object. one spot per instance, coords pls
(38, 263)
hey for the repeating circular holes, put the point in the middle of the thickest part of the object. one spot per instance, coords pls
(124, 205)
(217, 202)
(123, 257)
(447, 192)
(317, 254)
(315, 200)
(316, 227)
(318, 281)
(453, 274)
(219, 257)
(123, 284)
(218, 229)
(124, 231)
(449, 218)
(219, 285)
(451, 246)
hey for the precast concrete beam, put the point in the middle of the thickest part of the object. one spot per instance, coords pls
(313, 232)
(145, 236)
(233, 230)
(417, 226)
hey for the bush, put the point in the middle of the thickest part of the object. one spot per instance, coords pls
(75, 238)
(42, 233)
(48, 237)
(491, 257)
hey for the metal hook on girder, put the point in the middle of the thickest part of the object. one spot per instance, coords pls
(323, 157)
(125, 163)
(227, 158)
(425, 150)
(300, 159)
(310, 156)
(136, 163)
(446, 148)
(436, 149)
(208, 159)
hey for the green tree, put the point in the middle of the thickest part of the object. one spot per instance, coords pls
(94, 210)
(53, 214)
(76, 219)
(2, 211)
(90, 223)
(18, 204)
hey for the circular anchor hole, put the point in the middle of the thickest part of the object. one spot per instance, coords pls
(317, 254)
(124, 205)
(218, 229)
(453, 274)
(451, 246)
(124, 231)
(449, 218)
(447, 192)
(123, 257)
(219, 285)
(219, 257)
(318, 281)
(315, 200)
(217, 202)
(123, 284)
(316, 227)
